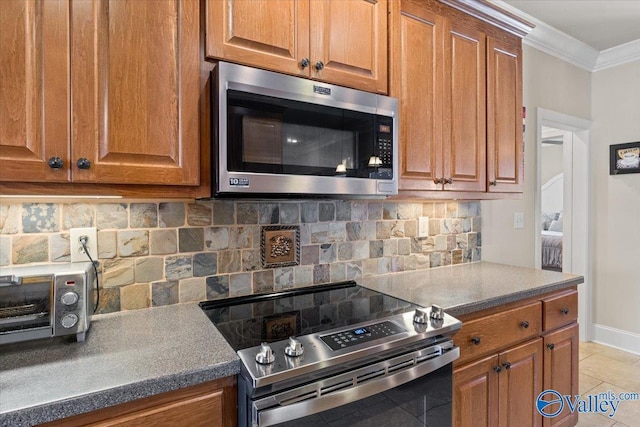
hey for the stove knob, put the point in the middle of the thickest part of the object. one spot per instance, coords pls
(69, 320)
(69, 298)
(421, 315)
(265, 356)
(437, 312)
(294, 348)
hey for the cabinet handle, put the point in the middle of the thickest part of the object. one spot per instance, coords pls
(497, 368)
(564, 310)
(305, 62)
(438, 180)
(524, 324)
(319, 65)
(475, 340)
(83, 163)
(550, 346)
(56, 163)
(506, 365)
(493, 183)
(448, 181)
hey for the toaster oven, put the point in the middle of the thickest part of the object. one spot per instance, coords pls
(46, 301)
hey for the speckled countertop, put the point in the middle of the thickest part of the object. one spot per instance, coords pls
(135, 354)
(466, 288)
(125, 356)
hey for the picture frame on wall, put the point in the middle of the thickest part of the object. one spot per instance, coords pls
(624, 158)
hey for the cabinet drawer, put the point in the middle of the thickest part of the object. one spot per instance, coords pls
(559, 310)
(490, 333)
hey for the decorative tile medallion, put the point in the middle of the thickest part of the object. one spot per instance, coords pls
(280, 245)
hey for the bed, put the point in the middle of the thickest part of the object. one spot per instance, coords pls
(552, 223)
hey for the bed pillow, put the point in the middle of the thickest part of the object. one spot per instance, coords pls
(547, 218)
(555, 225)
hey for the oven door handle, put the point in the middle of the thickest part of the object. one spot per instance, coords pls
(272, 416)
(10, 280)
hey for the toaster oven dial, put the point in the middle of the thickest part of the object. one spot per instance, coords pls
(69, 320)
(69, 298)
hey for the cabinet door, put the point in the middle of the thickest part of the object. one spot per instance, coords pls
(271, 34)
(465, 109)
(135, 79)
(350, 39)
(520, 384)
(417, 75)
(34, 90)
(475, 393)
(561, 370)
(505, 164)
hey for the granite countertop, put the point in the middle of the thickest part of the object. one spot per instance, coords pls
(126, 356)
(466, 288)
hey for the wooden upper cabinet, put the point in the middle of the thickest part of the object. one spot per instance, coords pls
(348, 38)
(417, 76)
(272, 34)
(505, 164)
(464, 109)
(34, 90)
(135, 79)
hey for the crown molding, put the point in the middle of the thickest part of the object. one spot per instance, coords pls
(496, 16)
(562, 46)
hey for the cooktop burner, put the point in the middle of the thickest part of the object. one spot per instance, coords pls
(251, 320)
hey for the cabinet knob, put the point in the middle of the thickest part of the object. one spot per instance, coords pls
(564, 310)
(506, 365)
(497, 368)
(524, 324)
(304, 63)
(83, 163)
(493, 183)
(475, 340)
(319, 65)
(56, 163)
(551, 346)
(438, 180)
(448, 181)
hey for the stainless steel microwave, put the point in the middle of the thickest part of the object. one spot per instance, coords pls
(283, 135)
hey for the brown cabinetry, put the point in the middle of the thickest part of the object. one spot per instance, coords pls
(459, 82)
(211, 404)
(341, 42)
(507, 358)
(114, 85)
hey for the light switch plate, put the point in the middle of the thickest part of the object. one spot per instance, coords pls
(77, 251)
(423, 226)
(518, 220)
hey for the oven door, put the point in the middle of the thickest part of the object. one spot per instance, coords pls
(25, 307)
(413, 389)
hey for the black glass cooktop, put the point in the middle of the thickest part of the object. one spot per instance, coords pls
(248, 321)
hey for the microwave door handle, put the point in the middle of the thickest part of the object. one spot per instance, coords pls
(10, 280)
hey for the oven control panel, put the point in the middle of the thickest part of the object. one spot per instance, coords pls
(345, 339)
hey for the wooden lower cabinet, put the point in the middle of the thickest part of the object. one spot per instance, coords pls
(561, 370)
(211, 404)
(501, 372)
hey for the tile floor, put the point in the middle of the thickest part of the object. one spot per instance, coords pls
(604, 369)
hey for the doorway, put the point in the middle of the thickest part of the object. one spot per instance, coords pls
(563, 203)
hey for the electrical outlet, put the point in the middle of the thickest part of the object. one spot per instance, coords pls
(423, 226)
(77, 251)
(518, 220)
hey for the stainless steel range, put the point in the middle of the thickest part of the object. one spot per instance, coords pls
(337, 355)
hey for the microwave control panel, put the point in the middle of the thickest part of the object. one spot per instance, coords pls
(384, 148)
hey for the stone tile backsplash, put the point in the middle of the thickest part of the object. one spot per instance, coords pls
(161, 253)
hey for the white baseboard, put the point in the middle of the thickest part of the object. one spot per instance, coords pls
(623, 340)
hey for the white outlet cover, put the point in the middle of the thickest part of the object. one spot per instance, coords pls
(423, 226)
(518, 220)
(77, 251)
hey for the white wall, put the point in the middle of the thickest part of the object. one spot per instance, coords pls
(616, 217)
(554, 85)
(551, 161)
